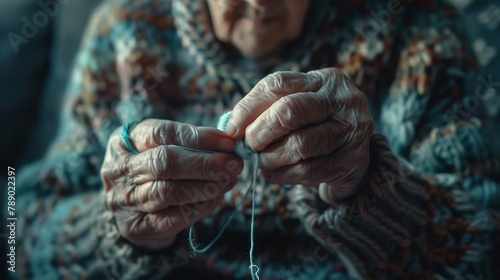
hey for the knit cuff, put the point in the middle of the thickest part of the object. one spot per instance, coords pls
(367, 229)
(123, 260)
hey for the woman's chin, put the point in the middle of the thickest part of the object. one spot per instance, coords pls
(256, 50)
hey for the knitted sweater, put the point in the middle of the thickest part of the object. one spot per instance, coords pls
(429, 209)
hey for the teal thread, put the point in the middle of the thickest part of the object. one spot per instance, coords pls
(223, 120)
(243, 151)
(126, 138)
(254, 269)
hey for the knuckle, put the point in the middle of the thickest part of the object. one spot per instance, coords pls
(112, 170)
(153, 123)
(162, 161)
(287, 110)
(343, 124)
(276, 80)
(206, 163)
(188, 136)
(328, 76)
(160, 132)
(158, 191)
(314, 78)
(334, 74)
(299, 146)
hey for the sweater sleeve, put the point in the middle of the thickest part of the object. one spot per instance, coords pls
(429, 209)
(65, 229)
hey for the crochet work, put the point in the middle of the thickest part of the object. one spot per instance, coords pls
(428, 211)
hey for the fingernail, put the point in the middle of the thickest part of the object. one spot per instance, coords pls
(231, 128)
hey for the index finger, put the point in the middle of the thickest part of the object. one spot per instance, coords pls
(264, 94)
(152, 133)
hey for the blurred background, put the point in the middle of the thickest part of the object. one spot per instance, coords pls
(39, 38)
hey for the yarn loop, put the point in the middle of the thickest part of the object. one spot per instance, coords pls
(247, 154)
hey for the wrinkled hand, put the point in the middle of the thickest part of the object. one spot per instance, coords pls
(311, 129)
(152, 194)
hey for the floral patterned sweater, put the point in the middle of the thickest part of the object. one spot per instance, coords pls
(430, 209)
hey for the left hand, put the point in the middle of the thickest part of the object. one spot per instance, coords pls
(310, 128)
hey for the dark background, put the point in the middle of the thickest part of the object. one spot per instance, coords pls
(33, 79)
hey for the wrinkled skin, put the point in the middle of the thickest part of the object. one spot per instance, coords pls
(257, 28)
(312, 129)
(152, 194)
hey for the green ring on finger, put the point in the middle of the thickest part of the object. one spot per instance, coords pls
(126, 138)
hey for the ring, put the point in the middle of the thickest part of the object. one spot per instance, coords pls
(126, 139)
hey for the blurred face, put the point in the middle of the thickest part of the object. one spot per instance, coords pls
(257, 27)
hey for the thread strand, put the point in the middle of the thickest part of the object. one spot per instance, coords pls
(242, 150)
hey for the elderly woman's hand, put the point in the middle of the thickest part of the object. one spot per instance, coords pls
(311, 129)
(152, 193)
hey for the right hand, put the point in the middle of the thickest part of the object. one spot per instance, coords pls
(152, 194)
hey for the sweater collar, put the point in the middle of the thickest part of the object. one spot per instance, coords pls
(208, 54)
